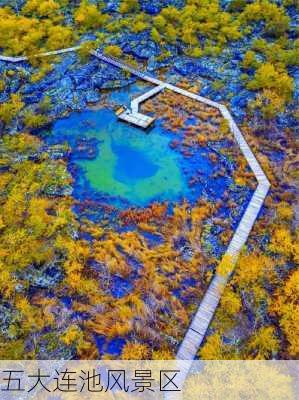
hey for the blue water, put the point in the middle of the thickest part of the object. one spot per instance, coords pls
(123, 163)
(131, 164)
(118, 164)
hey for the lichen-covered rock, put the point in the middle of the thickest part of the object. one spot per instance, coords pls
(140, 45)
(111, 5)
(43, 276)
(58, 190)
(92, 96)
(201, 67)
(51, 348)
(16, 5)
(155, 6)
(7, 316)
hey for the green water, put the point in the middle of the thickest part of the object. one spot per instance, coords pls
(131, 164)
(134, 165)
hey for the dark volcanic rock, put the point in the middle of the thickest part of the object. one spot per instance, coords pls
(58, 190)
(45, 276)
(200, 67)
(140, 45)
(92, 97)
(155, 6)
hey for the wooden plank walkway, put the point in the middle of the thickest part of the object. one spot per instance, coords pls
(135, 118)
(135, 103)
(47, 54)
(203, 317)
(119, 64)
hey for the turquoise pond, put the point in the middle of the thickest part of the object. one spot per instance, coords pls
(131, 164)
(118, 164)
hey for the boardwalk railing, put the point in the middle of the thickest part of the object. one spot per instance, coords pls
(206, 310)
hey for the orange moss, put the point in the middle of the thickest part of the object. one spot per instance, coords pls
(135, 351)
(154, 212)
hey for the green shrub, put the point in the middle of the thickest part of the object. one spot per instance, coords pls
(113, 50)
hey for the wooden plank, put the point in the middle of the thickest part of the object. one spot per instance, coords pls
(135, 103)
(136, 118)
(47, 54)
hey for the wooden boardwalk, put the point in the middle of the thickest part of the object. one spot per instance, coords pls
(47, 54)
(135, 103)
(203, 317)
(119, 64)
(135, 118)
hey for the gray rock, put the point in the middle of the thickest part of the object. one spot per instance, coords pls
(58, 190)
(92, 96)
(44, 276)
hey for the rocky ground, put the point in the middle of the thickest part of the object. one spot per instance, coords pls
(71, 85)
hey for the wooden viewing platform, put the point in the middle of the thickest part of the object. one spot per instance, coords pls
(135, 118)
